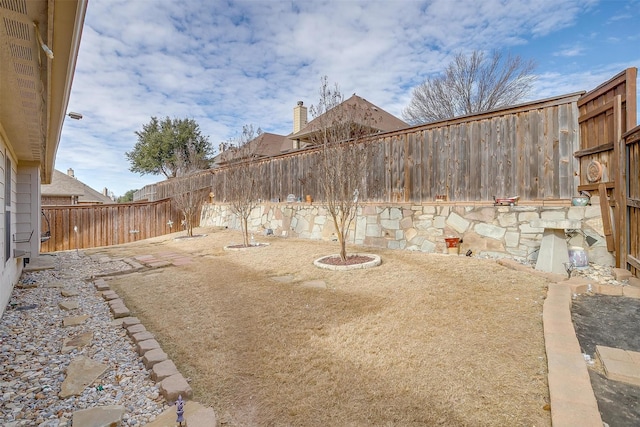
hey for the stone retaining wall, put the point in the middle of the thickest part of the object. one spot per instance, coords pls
(486, 230)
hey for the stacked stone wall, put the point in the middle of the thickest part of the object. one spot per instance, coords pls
(485, 230)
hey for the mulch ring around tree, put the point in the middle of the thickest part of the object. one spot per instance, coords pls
(611, 321)
(351, 260)
(355, 261)
(242, 246)
(195, 236)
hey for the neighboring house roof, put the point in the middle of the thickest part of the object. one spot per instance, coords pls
(68, 186)
(265, 145)
(382, 120)
(271, 144)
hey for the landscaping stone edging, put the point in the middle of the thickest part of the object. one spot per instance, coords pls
(572, 399)
(245, 248)
(376, 261)
(170, 381)
(46, 346)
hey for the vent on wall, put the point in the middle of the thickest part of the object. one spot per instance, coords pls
(19, 6)
(24, 74)
(21, 52)
(17, 30)
(23, 58)
(26, 84)
(24, 69)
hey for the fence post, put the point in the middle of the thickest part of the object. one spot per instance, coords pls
(620, 190)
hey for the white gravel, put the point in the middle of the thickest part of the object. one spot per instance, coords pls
(33, 366)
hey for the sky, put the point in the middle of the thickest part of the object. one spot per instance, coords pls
(230, 63)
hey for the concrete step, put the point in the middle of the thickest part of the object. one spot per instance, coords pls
(100, 416)
(620, 365)
(195, 414)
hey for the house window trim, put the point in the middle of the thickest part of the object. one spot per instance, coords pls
(8, 188)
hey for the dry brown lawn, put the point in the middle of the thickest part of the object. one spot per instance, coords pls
(423, 339)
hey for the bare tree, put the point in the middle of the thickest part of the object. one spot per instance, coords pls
(471, 84)
(242, 177)
(188, 195)
(338, 131)
(188, 198)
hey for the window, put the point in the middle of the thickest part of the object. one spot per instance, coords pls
(7, 208)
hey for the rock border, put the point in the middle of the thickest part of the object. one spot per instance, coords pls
(195, 236)
(376, 261)
(170, 382)
(246, 248)
(572, 398)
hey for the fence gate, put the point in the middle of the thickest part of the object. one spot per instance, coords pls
(606, 163)
(631, 206)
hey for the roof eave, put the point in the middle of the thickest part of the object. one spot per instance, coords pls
(65, 23)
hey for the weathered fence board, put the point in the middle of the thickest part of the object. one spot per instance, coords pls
(597, 124)
(88, 226)
(605, 114)
(521, 151)
(631, 207)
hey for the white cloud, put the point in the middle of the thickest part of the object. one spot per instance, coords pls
(620, 17)
(226, 64)
(570, 51)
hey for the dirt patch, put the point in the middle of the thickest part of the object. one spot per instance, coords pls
(610, 321)
(423, 339)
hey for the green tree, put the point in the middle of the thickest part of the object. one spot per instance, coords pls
(127, 197)
(471, 84)
(167, 146)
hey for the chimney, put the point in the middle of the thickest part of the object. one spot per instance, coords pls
(299, 117)
(105, 192)
(70, 173)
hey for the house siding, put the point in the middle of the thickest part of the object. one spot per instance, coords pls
(28, 210)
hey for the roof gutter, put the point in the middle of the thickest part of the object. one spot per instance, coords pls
(66, 20)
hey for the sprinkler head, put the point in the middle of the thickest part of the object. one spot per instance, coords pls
(568, 266)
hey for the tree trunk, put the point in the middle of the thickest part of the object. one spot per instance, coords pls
(343, 247)
(245, 231)
(187, 223)
(341, 239)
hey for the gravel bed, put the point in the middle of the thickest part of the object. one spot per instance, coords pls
(31, 340)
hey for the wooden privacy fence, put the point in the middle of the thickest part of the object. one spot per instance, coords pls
(608, 161)
(543, 150)
(524, 151)
(200, 182)
(631, 206)
(88, 226)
